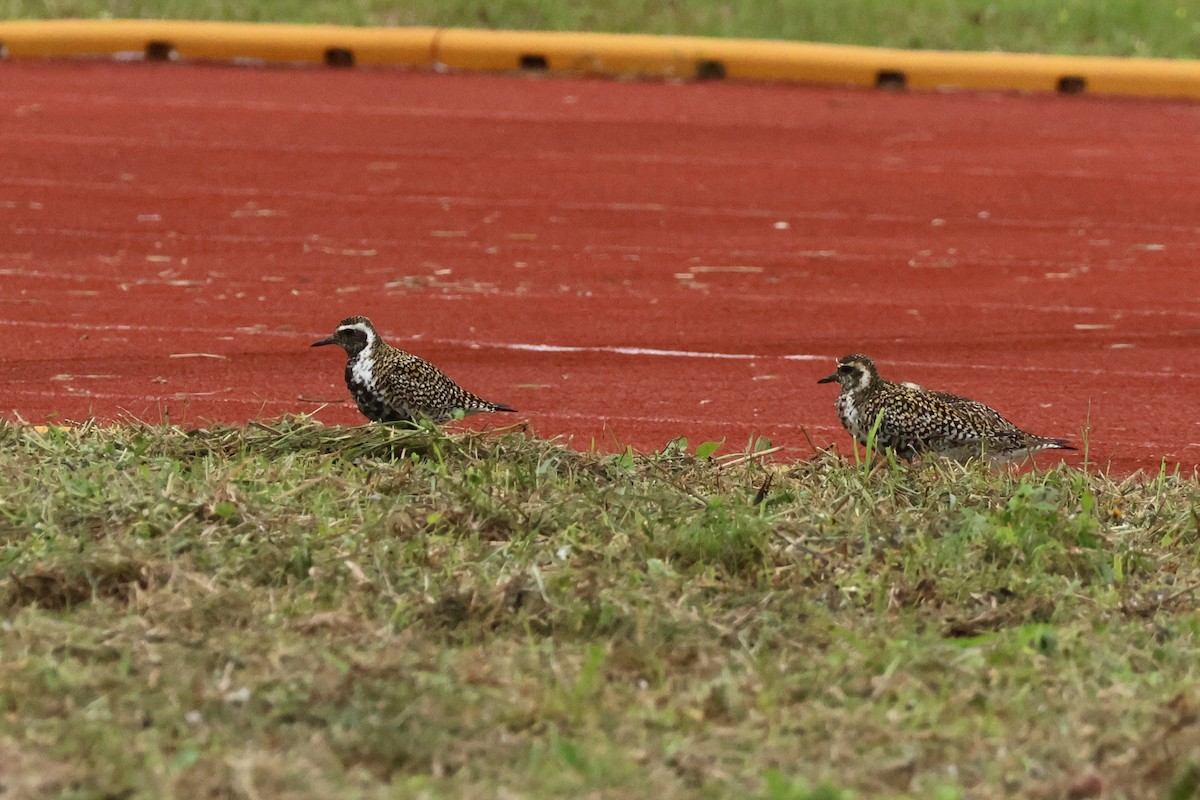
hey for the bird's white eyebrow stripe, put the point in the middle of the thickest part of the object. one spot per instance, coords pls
(358, 326)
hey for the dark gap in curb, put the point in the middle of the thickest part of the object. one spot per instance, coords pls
(533, 61)
(710, 70)
(1072, 84)
(892, 80)
(160, 51)
(339, 57)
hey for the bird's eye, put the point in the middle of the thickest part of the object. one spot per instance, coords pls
(845, 369)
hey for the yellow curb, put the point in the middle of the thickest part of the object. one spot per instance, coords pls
(606, 54)
(218, 40)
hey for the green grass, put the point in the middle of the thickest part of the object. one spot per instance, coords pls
(290, 610)
(1167, 28)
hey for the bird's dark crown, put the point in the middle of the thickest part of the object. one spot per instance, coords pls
(854, 371)
(353, 334)
(352, 321)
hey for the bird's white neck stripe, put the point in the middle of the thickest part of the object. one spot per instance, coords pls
(361, 370)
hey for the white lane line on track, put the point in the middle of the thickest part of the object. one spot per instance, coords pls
(575, 116)
(898, 260)
(668, 353)
(634, 351)
(639, 207)
(646, 352)
(384, 153)
(603, 254)
(450, 293)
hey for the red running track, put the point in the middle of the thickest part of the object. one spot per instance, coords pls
(624, 262)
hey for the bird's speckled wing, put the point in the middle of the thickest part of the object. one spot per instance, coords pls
(917, 419)
(426, 391)
(961, 427)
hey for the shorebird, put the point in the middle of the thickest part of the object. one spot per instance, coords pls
(914, 420)
(390, 385)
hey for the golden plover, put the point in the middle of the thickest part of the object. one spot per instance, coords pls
(390, 385)
(915, 420)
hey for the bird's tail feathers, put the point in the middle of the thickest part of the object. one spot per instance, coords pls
(1059, 444)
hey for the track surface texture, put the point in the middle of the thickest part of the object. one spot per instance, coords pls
(622, 261)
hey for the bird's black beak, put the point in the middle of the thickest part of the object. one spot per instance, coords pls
(828, 378)
(330, 340)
